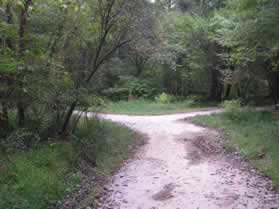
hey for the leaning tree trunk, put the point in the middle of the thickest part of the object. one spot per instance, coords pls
(101, 55)
(68, 117)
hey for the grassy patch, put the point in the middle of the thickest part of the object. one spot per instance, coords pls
(145, 107)
(35, 179)
(254, 133)
(111, 143)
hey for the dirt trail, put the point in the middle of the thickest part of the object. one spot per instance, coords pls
(172, 172)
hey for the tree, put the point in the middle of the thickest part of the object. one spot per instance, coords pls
(50, 52)
(113, 22)
(250, 38)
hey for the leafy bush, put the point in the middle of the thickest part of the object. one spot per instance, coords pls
(196, 98)
(232, 109)
(164, 98)
(232, 105)
(20, 139)
(129, 85)
(105, 143)
(89, 132)
(116, 93)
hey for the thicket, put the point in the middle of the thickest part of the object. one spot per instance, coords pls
(218, 50)
(41, 177)
(60, 56)
(50, 54)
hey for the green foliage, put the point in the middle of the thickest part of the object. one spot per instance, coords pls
(36, 179)
(8, 64)
(164, 98)
(219, 45)
(109, 143)
(20, 139)
(149, 107)
(254, 134)
(189, 43)
(232, 105)
(131, 86)
(49, 52)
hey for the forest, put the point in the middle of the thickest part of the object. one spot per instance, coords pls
(63, 60)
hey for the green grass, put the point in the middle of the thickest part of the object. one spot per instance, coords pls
(145, 107)
(112, 143)
(35, 179)
(255, 134)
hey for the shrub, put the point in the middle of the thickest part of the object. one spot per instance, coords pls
(196, 98)
(129, 85)
(232, 105)
(237, 113)
(89, 131)
(105, 143)
(189, 102)
(233, 109)
(164, 98)
(20, 139)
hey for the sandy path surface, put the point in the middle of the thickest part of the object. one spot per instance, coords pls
(172, 172)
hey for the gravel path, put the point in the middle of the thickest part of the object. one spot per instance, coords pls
(182, 166)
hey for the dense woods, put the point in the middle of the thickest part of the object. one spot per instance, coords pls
(50, 53)
(58, 56)
(62, 56)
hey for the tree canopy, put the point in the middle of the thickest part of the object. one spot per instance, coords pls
(67, 55)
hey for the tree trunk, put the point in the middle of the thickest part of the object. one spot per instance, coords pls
(68, 118)
(272, 76)
(4, 117)
(9, 19)
(5, 112)
(228, 91)
(216, 88)
(23, 25)
(22, 45)
(274, 86)
(216, 84)
(98, 59)
(139, 70)
(139, 63)
(21, 114)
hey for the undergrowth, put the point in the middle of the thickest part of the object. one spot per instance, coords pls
(149, 107)
(39, 177)
(254, 133)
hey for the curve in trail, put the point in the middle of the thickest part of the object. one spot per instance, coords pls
(169, 173)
